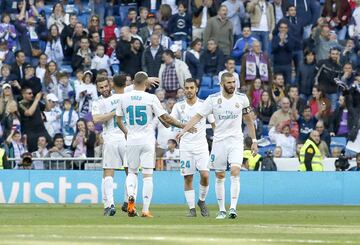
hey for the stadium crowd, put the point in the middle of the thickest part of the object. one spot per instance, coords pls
(298, 61)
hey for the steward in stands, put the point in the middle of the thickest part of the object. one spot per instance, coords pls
(253, 162)
(310, 155)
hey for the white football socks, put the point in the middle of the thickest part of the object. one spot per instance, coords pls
(147, 193)
(190, 198)
(220, 193)
(104, 198)
(234, 191)
(131, 182)
(109, 190)
(203, 191)
(125, 193)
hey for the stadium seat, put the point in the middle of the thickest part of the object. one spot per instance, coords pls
(265, 131)
(66, 68)
(204, 92)
(338, 141)
(206, 82)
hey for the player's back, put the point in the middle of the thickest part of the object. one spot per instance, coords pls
(139, 108)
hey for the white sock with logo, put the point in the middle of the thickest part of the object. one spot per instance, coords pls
(109, 190)
(190, 198)
(104, 198)
(147, 193)
(203, 191)
(220, 193)
(235, 191)
(131, 182)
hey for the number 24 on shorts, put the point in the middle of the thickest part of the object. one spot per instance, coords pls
(184, 164)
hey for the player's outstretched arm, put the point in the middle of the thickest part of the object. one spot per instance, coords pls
(190, 125)
(166, 125)
(251, 129)
(104, 117)
(167, 119)
(119, 121)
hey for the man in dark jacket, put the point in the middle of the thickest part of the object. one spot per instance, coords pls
(282, 48)
(327, 70)
(132, 62)
(306, 75)
(212, 59)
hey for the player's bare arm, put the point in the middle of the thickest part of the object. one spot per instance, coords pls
(190, 125)
(166, 125)
(103, 118)
(250, 124)
(171, 121)
(119, 121)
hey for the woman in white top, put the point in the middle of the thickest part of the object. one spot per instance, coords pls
(41, 68)
(58, 17)
(54, 49)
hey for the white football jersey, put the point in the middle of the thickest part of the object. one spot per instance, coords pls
(184, 112)
(228, 114)
(111, 131)
(139, 108)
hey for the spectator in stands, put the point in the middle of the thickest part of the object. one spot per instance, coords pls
(78, 35)
(52, 115)
(172, 74)
(41, 152)
(18, 69)
(255, 92)
(324, 41)
(41, 67)
(310, 155)
(307, 75)
(344, 118)
(132, 60)
(58, 17)
(281, 115)
(337, 14)
(26, 161)
(327, 70)
(68, 121)
(180, 26)
(7, 31)
(83, 142)
(279, 7)
(152, 57)
(220, 29)
(255, 64)
(353, 94)
(82, 58)
(165, 41)
(319, 104)
(143, 12)
(124, 45)
(54, 49)
(278, 88)
(347, 76)
(192, 59)
(5, 98)
(67, 35)
(230, 67)
(10, 119)
(212, 60)
(30, 80)
(324, 133)
(259, 127)
(131, 17)
(280, 135)
(243, 44)
(202, 12)
(172, 156)
(296, 102)
(94, 41)
(262, 21)
(50, 80)
(349, 53)
(6, 55)
(266, 107)
(110, 31)
(100, 60)
(357, 167)
(282, 49)
(307, 123)
(86, 94)
(58, 151)
(354, 23)
(16, 145)
(147, 30)
(164, 15)
(32, 123)
(236, 13)
(278, 152)
(5, 76)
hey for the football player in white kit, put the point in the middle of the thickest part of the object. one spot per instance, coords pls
(138, 108)
(103, 111)
(194, 152)
(229, 108)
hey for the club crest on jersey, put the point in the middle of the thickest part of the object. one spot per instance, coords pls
(237, 105)
(219, 102)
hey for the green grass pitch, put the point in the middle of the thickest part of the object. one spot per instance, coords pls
(84, 224)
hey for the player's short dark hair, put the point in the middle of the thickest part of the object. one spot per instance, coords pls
(119, 80)
(101, 79)
(248, 142)
(192, 80)
(226, 75)
(140, 77)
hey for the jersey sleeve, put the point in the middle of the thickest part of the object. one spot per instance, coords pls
(206, 108)
(245, 104)
(157, 107)
(95, 110)
(119, 112)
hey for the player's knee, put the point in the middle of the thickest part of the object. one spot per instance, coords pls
(108, 172)
(147, 172)
(235, 170)
(188, 180)
(204, 174)
(220, 174)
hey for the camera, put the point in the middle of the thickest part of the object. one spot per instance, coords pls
(342, 163)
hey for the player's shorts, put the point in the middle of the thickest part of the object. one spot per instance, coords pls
(114, 155)
(190, 160)
(140, 156)
(226, 151)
